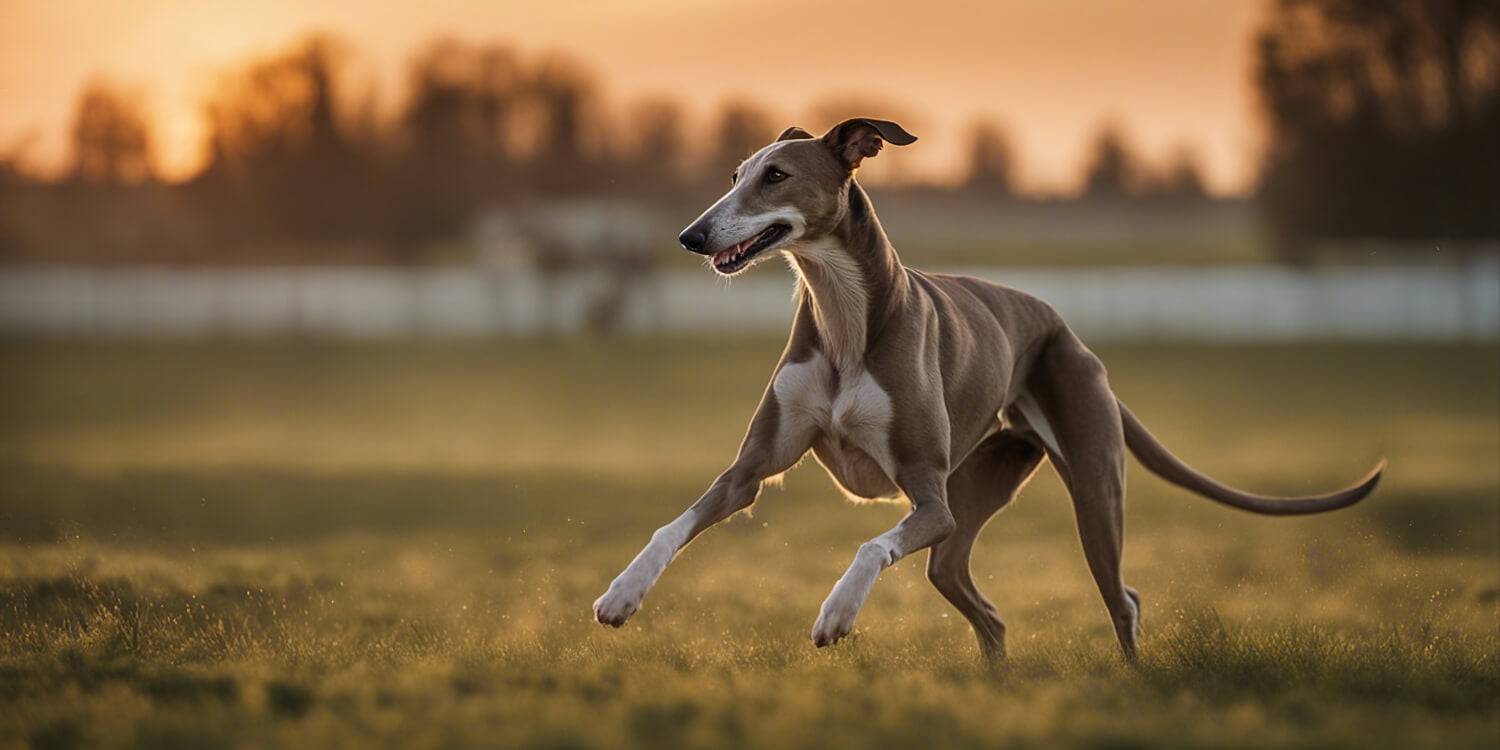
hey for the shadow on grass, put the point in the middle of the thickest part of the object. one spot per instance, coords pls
(43, 504)
(1440, 670)
(1452, 521)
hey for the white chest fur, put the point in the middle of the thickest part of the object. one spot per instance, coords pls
(840, 299)
(850, 418)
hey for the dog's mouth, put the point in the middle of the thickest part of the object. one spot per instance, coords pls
(736, 258)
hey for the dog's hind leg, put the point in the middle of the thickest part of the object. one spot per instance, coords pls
(983, 484)
(1070, 386)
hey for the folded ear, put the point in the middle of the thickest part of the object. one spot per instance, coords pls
(793, 133)
(853, 140)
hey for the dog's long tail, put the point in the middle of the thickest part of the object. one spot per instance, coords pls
(1155, 456)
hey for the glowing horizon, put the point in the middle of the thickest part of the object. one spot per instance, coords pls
(1170, 73)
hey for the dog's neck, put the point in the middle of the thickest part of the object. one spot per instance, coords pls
(851, 280)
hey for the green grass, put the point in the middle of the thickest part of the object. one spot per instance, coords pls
(273, 544)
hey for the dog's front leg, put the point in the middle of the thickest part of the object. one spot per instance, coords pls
(771, 446)
(929, 522)
(733, 491)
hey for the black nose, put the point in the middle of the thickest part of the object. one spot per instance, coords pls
(693, 239)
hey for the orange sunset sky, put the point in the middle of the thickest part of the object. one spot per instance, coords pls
(1171, 72)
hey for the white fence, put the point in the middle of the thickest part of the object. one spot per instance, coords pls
(1232, 303)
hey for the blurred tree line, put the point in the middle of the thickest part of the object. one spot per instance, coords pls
(1384, 121)
(300, 168)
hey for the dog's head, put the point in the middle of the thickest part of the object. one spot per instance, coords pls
(792, 191)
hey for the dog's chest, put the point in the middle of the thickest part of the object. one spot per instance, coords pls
(851, 415)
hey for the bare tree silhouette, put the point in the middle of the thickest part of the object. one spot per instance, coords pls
(284, 162)
(567, 102)
(742, 128)
(1114, 172)
(111, 138)
(992, 161)
(1180, 179)
(655, 158)
(455, 143)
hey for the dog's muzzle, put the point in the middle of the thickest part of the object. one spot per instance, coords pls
(738, 256)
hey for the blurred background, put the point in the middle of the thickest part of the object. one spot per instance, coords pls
(468, 168)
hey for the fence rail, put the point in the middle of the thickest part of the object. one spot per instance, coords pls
(1231, 303)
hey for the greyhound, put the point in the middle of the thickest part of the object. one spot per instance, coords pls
(946, 389)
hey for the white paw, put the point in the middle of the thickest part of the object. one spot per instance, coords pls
(836, 618)
(615, 607)
(834, 621)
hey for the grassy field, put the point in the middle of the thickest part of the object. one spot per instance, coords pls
(305, 544)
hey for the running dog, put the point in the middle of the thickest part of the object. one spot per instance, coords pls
(946, 389)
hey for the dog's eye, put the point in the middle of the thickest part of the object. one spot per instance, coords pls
(734, 178)
(775, 175)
